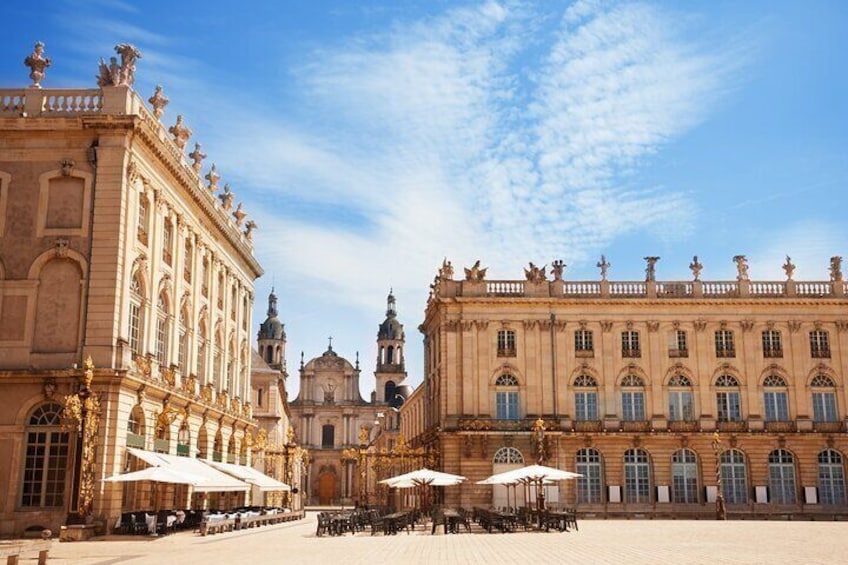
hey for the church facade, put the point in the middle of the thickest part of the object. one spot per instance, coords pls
(332, 419)
(664, 395)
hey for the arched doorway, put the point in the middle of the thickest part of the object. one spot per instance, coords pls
(326, 488)
(506, 459)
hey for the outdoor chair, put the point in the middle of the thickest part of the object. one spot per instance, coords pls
(323, 524)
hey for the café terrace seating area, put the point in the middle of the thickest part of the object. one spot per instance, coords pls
(386, 521)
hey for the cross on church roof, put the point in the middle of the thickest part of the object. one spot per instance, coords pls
(331, 343)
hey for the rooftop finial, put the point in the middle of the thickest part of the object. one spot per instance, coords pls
(37, 64)
(330, 346)
(158, 101)
(391, 308)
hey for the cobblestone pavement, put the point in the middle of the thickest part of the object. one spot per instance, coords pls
(598, 542)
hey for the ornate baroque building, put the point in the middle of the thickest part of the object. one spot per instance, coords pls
(330, 413)
(115, 245)
(632, 381)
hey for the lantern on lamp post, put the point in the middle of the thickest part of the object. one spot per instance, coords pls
(81, 414)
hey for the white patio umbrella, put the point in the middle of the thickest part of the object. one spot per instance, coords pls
(423, 478)
(536, 475)
(158, 475)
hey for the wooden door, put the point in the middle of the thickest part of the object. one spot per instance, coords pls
(326, 488)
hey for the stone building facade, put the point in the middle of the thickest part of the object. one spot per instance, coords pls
(113, 246)
(633, 380)
(332, 418)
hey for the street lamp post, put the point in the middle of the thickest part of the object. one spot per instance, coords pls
(82, 415)
(718, 449)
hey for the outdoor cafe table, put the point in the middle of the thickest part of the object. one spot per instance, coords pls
(452, 521)
(394, 522)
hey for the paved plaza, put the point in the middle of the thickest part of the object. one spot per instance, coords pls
(625, 541)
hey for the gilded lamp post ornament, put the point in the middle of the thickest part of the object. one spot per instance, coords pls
(651, 269)
(114, 74)
(718, 449)
(82, 415)
(37, 64)
(180, 132)
(696, 267)
(604, 266)
(158, 101)
(197, 156)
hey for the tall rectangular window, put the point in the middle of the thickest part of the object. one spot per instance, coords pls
(168, 243)
(824, 407)
(141, 225)
(680, 407)
(506, 404)
(328, 436)
(162, 340)
(776, 406)
(633, 406)
(728, 407)
(677, 345)
(819, 344)
(583, 344)
(772, 346)
(589, 485)
(188, 260)
(135, 328)
(630, 344)
(506, 343)
(586, 406)
(724, 343)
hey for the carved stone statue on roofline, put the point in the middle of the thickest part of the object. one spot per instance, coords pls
(239, 215)
(696, 267)
(604, 266)
(446, 270)
(836, 268)
(123, 74)
(212, 176)
(249, 226)
(741, 267)
(650, 269)
(475, 273)
(180, 132)
(197, 156)
(558, 268)
(535, 274)
(789, 268)
(158, 102)
(37, 64)
(227, 197)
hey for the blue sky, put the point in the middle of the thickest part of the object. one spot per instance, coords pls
(371, 139)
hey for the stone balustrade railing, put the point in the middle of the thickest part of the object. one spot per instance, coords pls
(52, 102)
(642, 289)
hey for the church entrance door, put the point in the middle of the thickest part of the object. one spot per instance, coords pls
(326, 488)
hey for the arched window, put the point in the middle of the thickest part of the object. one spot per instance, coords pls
(202, 443)
(136, 314)
(506, 397)
(202, 339)
(260, 393)
(781, 466)
(684, 477)
(188, 260)
(218, 447)
(46, 458)
(734, 484)
(162, 329)
(508, 455)
(390, 355)
(589, 486)
(183, 353)
(389, 392)
(632, 398)
(231, 449)
(135, 428)
(141, 224)
(775, 399)
(680, 399)
(168, 243)
(727, 399)
(585, 399)
(637, 476)
(824, 399)
(269, 355)
(831, 478)
(184, 440)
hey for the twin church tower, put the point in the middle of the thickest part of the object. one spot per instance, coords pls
(329, 410)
